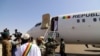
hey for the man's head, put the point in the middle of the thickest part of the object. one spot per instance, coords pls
(39, 40)
(42, 37)
(26, 38)
(49, 39)
(62, 39)
(6, 30)
(15, 30)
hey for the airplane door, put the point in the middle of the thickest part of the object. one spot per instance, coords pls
(54, 24)
(54, 27)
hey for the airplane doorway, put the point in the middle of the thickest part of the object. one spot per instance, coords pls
(54, 24)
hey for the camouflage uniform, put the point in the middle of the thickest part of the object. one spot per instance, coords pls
(62, 48)
(6, 45)
(50, 47)
(6, 48)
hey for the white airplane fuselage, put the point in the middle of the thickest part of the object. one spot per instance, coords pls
(75, 28)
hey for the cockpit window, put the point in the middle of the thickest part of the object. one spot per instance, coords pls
(38, 24)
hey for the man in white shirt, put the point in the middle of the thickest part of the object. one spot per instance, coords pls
(28, 49)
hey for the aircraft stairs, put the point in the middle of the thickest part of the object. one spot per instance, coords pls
(51, 34)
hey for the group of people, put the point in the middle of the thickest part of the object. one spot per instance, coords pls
(28, 46)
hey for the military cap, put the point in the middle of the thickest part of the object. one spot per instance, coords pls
(49, 39)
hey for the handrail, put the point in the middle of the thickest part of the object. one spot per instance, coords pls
(53, 33)
(46, 33)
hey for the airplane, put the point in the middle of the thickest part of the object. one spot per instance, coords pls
(78, 28)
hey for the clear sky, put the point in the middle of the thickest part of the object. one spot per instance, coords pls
(24, 14)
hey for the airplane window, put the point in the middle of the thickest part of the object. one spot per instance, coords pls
(83, 20)
(38, 24)
(78, 20)
(94, 19)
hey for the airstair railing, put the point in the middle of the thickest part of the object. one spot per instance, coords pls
(46, 33)
(52, 34)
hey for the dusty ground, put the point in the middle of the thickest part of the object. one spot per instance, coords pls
(75, 50)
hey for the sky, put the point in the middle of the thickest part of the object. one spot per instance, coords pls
(24, 14)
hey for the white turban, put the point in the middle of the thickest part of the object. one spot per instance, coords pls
(26, 36)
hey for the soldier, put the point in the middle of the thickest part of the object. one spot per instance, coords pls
(50, 47)
(55, 43)
(6, 45)
(62, 47)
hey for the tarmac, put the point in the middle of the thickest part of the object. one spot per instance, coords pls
(75, 50)
(80, 50)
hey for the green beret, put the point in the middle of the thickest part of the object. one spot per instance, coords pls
(49, 38)
(5, 34)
